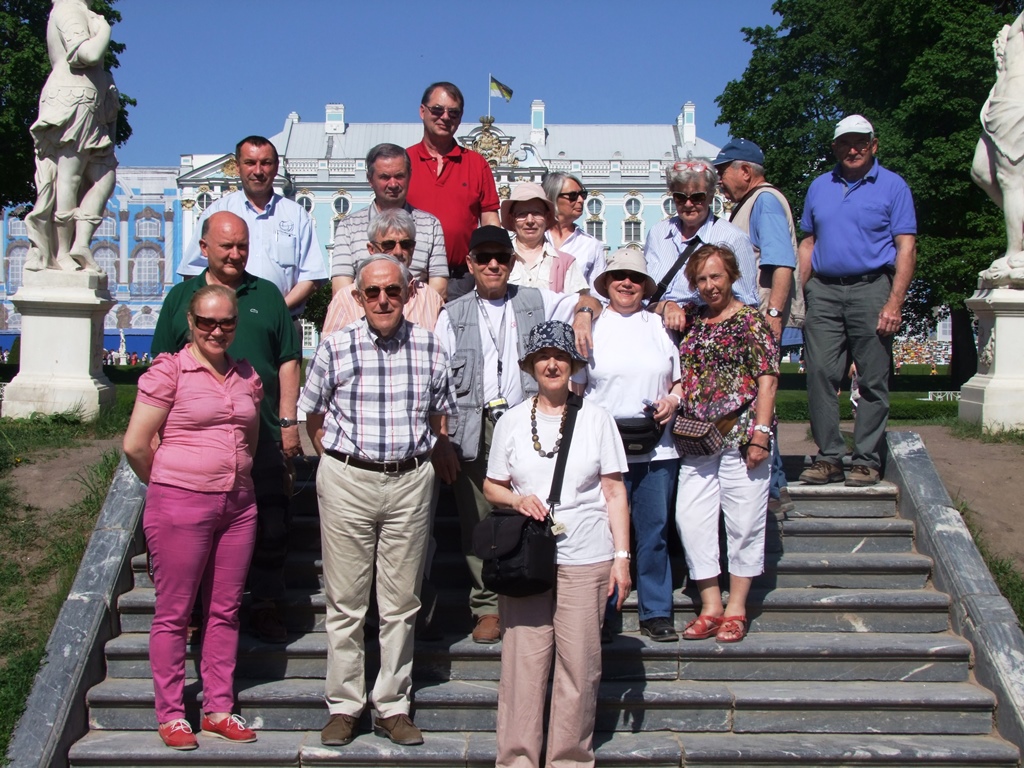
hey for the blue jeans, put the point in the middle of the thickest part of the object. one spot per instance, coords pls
(650, 488)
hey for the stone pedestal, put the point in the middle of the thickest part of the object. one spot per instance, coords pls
(61, 345)
(994, 397)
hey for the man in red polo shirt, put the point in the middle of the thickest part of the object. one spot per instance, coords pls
(454, 184)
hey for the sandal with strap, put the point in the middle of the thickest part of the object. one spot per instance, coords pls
(702, 627)
(732, 629)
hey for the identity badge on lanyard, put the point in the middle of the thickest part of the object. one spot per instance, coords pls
(496, 407)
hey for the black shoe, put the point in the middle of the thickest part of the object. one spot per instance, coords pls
(659, 629)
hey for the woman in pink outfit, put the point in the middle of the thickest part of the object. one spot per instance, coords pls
(191, 438)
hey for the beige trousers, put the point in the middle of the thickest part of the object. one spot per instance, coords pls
(372, 521)
(565, 623)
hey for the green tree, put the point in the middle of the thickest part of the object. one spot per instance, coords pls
(920, 70)
(24, 66)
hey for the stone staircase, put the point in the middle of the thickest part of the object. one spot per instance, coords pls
(850, 661)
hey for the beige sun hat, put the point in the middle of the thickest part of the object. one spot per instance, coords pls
(522, 193)
(631, 260)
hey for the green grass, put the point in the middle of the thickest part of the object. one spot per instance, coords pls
(39, 557)
(965, 431)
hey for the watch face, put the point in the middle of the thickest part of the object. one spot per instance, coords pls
(774, 313)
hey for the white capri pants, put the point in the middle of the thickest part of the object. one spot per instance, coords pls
(722, 482)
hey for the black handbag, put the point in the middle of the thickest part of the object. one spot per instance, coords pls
(639, 434)
(518, 552)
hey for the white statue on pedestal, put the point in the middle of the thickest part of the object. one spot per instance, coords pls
(998, 166)
(74, 140)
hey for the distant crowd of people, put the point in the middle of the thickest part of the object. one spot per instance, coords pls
(463, 332)
(921, 352)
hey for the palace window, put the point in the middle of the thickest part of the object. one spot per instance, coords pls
(15, 266)
(595, 228)
(16, 227)
(203, 200)
(342, 205)
(668, 205)
(633, 206)
(106, 257)
(305, 202)
(146, 273)
(147, 228)
(107, 230)
(632, 231)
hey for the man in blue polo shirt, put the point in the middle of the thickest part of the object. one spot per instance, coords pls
(856, 264)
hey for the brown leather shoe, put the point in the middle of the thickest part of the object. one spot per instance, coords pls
(339, 731)
(487, 630)
(399, 728)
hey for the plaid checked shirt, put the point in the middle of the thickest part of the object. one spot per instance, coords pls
(377, 394)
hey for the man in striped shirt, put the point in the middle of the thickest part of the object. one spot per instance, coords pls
(376, 395)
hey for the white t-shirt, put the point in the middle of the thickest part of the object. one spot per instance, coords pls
(596, 450)
(633, 359)
(557, 306)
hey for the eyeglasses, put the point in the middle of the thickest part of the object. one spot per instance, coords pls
(524, 215)
(691, 165)
(389, 245)
(208, 324)
(572, 197)
(697, 198)
(372, 292)
(483, 259)
(438, 111)
(624, 274)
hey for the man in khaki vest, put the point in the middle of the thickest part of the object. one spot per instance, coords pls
(763, 212)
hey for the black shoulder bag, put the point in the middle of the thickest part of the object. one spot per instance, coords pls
(519, 552)
(664, 283)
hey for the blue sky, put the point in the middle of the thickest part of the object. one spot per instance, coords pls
(208, 73)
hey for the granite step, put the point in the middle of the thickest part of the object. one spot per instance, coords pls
(779, 610)
(651, 706)
(660, 750)
(867, 570)
(914, 657)
(797, 534)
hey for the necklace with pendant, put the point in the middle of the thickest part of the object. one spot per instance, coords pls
(536, 439)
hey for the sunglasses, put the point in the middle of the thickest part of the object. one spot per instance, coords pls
(389, 245)
(372, 292)
(453, 112)
(697, 198)
(483, 259)
(572, 197)
(691, 165)
(208, 324)
(625, 274)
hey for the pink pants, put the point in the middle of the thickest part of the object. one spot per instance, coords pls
(197, 539)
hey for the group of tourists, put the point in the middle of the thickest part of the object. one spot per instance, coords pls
(463, 333)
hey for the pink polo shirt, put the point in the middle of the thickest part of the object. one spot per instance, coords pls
(204, 443)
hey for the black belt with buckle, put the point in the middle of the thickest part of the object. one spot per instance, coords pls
(387, 467)
(867, 277)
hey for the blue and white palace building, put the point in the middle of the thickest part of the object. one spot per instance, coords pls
(153, 212)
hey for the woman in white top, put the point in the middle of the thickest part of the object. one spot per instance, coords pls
(592, 559)
(527, 214)
(568, 195)
(634, 370)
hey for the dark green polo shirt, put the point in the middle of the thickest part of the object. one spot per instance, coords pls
(265, 336)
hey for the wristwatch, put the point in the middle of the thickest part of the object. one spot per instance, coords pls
(622, 554)
(763, 428)
(289, 423)
(588, 310)
(773, 312)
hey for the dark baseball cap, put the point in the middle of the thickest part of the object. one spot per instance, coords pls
(490, 234)
(743, 150)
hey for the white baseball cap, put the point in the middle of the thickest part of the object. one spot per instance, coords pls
(853, 124)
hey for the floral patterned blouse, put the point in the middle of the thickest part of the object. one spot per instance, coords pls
(721, 363)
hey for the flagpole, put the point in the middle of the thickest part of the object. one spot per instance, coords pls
(489, 94)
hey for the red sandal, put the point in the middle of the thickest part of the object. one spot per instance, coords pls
(732, 629)
(702, 627)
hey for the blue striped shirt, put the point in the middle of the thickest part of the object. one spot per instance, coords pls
(665, 243)
(377, 394)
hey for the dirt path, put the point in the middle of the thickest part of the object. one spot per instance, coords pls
(49, 481)
(981, 475)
